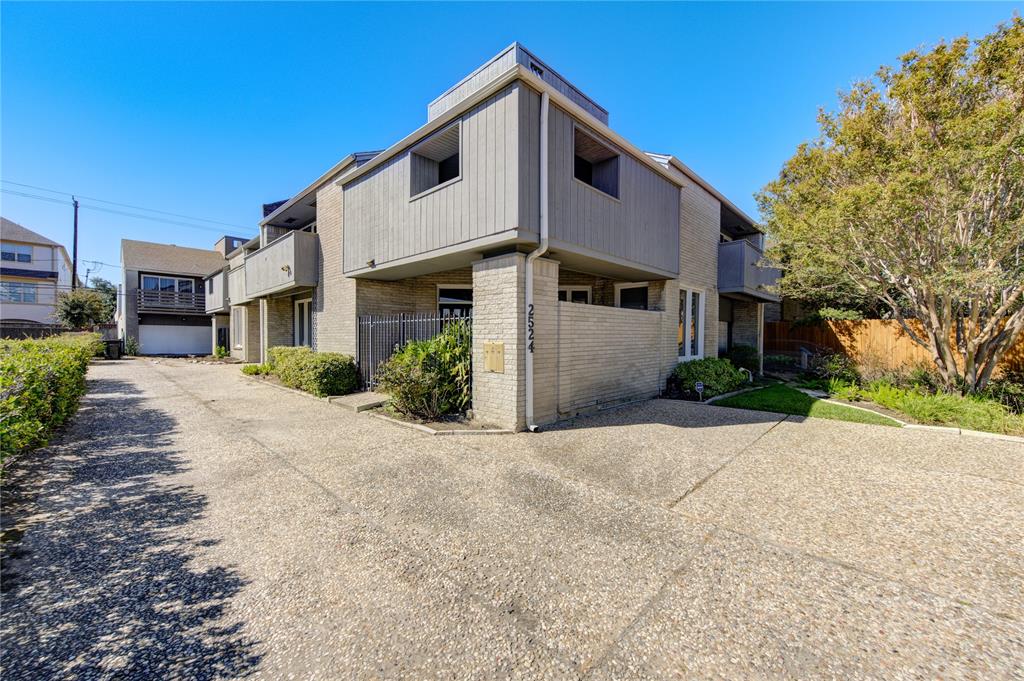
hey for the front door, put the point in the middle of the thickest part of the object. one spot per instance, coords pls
(303, 322)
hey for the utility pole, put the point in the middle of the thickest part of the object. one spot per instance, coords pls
(74, 249)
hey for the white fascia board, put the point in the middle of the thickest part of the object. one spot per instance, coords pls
(517, 72)
(337, 168)
(704, 184)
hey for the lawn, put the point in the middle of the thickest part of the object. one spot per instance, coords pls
(785, 400)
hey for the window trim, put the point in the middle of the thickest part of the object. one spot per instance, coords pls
(446, 183)
(437, 295)
(295, 322)
(16, 246)
(701, 319)
(239, 337)
(572, 161)
(21, 286)
(619, 285)
(570, 289)
(177, 282)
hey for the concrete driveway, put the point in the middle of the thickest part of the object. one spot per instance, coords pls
(192, 523)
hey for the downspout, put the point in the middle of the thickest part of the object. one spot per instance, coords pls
(536, 253)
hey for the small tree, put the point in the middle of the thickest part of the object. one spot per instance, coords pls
(913, 195)
(109, 293)
(81, 308)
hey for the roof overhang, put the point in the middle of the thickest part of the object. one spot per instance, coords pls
(517, 72)
(706, 186)
(302, 206)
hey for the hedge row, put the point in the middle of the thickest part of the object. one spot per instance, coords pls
(41, 382)
(319, 373)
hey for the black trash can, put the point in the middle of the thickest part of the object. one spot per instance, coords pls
(112, 349)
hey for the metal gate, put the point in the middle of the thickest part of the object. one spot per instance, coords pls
(381, 335)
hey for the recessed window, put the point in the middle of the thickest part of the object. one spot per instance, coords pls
(16, 253)
(632, 296)
(574, 294)
(435, 160)
(595, 163)
(455, 301)
(691, 324)
(18, 292)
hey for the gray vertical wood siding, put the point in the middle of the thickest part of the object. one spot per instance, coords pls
(383, 222)
(641, 226)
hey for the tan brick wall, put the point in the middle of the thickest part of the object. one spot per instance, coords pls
(334, 301)
(700, 228)
(414, 295)
(745, 328)
(607, 354)
(545, 340)
(277, 323)
(602, 289)
(498, 293)
(249, 335)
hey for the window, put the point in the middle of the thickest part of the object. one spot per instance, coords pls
(435, 161)
(238, 326)
(454, 301)
(303, 322)
(17, 292)
(632, 296)
(595, 164)
(16, 252)
(166, 284)
(574, 294)
(691, 324)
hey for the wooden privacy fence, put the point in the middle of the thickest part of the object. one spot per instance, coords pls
(882, 342)
(381, 335)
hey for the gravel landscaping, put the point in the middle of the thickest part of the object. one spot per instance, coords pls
(192, 523)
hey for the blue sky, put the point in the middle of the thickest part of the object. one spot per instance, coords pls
(210, 110)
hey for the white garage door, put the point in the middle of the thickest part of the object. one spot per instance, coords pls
(159, 339)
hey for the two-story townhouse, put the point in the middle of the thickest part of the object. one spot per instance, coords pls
(162, 301)
(589, 266)
(33, 269)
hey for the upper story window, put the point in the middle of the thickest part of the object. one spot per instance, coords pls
(595, 163)
(166, 284)
(16, 252)
(18, 292)
(436, 160)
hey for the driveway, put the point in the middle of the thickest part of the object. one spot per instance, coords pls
(192, 523)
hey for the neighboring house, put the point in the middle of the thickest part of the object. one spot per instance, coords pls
(646, 265)
(32, 270)
(162, 301)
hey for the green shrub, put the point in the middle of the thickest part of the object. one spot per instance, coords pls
(718, 375)
(1008, 390)
(131, 346)
(319, 373)
(220, 352)
(745, 357)
(829, 314)
(256, 369)
(428, 379)
(829, 365)
(41, 382)
(970, 411)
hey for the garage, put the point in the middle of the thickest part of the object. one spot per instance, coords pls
(166, 339)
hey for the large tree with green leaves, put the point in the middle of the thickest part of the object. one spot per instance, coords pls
(109, 293)
(913, 195)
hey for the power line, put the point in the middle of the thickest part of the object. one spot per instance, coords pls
(126, 205)
(118, 212)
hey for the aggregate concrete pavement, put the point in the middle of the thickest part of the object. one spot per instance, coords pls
(192, 523)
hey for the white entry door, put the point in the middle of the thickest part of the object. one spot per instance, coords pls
(303, 322)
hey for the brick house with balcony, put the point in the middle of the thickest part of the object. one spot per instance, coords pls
(591, 267)
(163, 302)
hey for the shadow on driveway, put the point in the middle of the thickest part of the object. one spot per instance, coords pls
(96, 575)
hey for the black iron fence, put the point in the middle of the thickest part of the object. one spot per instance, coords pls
(381, 335)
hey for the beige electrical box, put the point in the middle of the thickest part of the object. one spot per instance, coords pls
(494, 356)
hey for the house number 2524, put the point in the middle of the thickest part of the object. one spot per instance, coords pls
(529, 328)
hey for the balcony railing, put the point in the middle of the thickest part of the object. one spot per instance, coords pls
(286, 263)
(740, 272)
(171, 301)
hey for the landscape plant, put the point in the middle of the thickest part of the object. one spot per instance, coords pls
(319, 373)
(81, 308)
(431, 378)
(912, 196)
(131, 346)
(41, 382)
(718, 375)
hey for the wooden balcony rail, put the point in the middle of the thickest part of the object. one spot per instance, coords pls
(171, 301)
